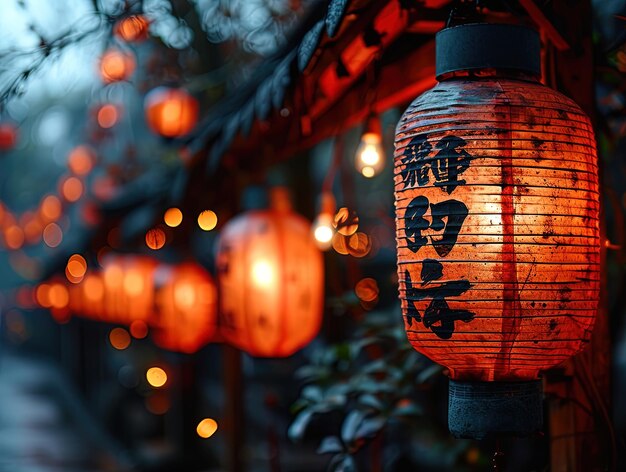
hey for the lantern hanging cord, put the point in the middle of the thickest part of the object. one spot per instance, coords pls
(327, 184)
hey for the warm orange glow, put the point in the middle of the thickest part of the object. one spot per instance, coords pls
(269, 256)
(346, 221)
(171, 112)
(14, 237)
(186, 307)
(206, 428)
(81, 160)
(33, 230)
(116, 65)
(132, 28)
(77, 265)
(42, 295)
(113, 275)
(107, 116)
(72, 189)
(133, 282)
(52, 235)
(156, 377)
(155, 238)
(207, 220)
(93, 288)
(58, 296)
(173, 217)
(359, 245)
(340, 244)
(119, 338)
(139, 329)
(51, 208)
(366, 289)
(263, 274)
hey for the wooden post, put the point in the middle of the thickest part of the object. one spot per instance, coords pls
(579, 416)
(234, 407)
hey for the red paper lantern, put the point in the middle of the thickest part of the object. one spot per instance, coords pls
(8, 136)
(185, 319)
(116, 65)
(128, 289)
(497, 207)
(171, 112)
(270, 275)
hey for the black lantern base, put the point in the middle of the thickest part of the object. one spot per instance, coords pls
(480, 409)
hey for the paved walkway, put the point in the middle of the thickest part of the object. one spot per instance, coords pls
(45, 426)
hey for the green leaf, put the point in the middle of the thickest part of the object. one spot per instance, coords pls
(370, 426)
(330, 444)
(299, 425)
(342, 463)
(370, 400)
(351, 424)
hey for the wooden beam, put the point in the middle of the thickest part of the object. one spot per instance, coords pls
(546, 26)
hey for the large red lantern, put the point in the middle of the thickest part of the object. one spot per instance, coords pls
(186, 302)
(270, 275)
(497, 207)
(170, 112)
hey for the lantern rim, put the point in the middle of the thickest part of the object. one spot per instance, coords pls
(487, 46)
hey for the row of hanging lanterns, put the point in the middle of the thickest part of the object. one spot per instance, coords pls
(497, 212)
(270, 279)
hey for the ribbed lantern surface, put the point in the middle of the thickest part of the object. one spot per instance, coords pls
(270, 276)
(497, 212)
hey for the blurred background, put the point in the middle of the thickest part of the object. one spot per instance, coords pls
(100, 194)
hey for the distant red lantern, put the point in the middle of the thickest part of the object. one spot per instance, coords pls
(128, 288)
(496, 189)
(132, 28)
(116, 66)
(8, 136)
(186, 308)
(171, 112)
(270, 275)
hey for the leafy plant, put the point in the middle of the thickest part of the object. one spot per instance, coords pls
(370, 381)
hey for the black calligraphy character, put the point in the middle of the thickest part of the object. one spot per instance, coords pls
(415, 223)
(450, 162)
(447, 216)
(446, 166)
(415, 158)
(438, 316)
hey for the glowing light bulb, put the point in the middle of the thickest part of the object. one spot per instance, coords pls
(323, 231)
(156, 377)
(262, 274)
(370, 155)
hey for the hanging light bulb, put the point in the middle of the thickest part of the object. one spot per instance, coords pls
(370, 156)
(322, 227)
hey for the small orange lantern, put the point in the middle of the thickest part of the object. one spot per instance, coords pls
(116, 65)
(132, 28)
(496, 189)
(170, 112)
(185, 319)
(128, 288)
(270, 275)
(8, 136)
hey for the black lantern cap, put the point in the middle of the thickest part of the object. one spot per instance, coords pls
(482, 409)
(487, 46)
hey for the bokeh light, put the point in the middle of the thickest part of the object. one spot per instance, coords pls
(72, 189)
(366, 289)
(138, 329)
(51, 208)
(173, 217)
(116, 65)
(119, 338)
(346, 221)
(207, 220)
(156, 377)
(107, 116)
(206, 428)
(52, 235)
(81, 160)
(155, 238)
